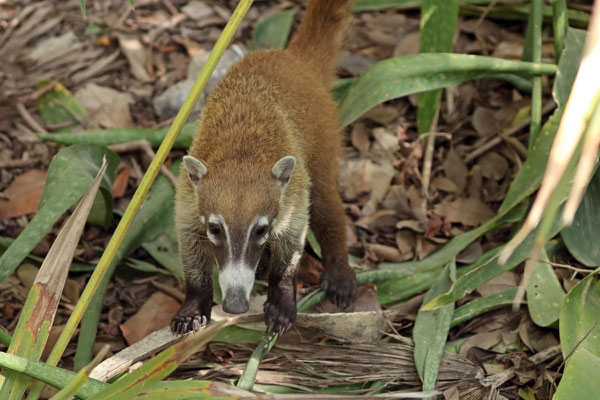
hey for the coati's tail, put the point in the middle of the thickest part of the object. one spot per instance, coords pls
(321, 34)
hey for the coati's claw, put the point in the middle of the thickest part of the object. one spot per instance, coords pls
(340, 285)
(198, 323)
(279, 316)
(189, 318)
(183, 325)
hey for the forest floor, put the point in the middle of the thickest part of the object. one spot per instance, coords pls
(118, 64)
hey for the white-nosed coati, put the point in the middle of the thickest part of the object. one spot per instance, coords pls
(263, 163)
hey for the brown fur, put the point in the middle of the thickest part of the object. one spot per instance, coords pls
(270, 105)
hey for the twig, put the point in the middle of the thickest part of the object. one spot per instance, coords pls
(428, 159)
(33, 124)
(169, 5)
(146, 149)
(566, 266)
(8, 164)
(38, 93)
(509, 132)
(170, 290)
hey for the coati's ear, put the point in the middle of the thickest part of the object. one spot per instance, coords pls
(196, 170)
(282, 171)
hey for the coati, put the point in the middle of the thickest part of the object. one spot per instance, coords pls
(263, 163)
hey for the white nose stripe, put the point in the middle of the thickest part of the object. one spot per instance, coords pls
(236, 275)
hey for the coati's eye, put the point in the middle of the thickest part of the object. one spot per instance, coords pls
(214, 229)
(260, 231)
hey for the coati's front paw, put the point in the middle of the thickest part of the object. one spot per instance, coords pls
(189, 318)
(281, 312)
(339, 283)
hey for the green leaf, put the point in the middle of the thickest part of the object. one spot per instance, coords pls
(544, 294)
(237, 334)
(148, 223)
(484, 304)
(107, 137)
(568, 66)
(70, 174)
(438, 25)
(579, 316)
(271, 32)
(431, 331)
(37, 315)
(144, 266)
(164, 249)
(395, 290)
(580, 379)
(487, 268)
(58, 106)
(401, 76)
(312, 240)
(585, 226)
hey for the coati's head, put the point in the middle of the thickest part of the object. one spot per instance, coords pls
(238, 207)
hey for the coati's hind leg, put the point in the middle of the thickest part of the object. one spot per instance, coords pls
(196, 308)
(328, 222)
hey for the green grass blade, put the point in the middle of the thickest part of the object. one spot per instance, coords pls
(5, 336)
(82, 8)
(400, 76)
(438, 26)
(154, 217)
(482, 305)
(53, 376)
(75, 385)
(160, 366)
(431, 330)
(37, 315)
(187, 390)
(376, 5)
(559, 25)
(144, 187)
(576, 18)
(248, 377)
(272, 32)
(536, 56)
(70, 174)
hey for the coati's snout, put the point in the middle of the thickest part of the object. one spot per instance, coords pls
(237, 249)
(235, 301)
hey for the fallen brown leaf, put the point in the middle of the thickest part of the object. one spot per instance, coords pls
(24, 194)
(469, 212)
(120, 183)
(106, 106)
(154, 314)
(136, 56)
